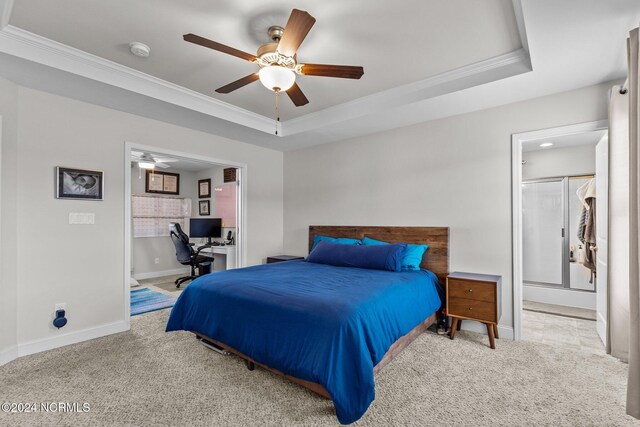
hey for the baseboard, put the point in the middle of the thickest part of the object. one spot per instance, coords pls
(505, 332)
(9, 354)
(567, 297)
(154, 274)
(49, 343)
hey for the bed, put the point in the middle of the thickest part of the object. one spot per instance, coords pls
(327, 328)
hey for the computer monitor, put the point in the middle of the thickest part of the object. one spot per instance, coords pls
(205, 227)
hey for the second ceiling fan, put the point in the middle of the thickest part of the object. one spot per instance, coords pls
(277, 60)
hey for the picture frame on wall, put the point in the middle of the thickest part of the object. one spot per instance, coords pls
(79, 184)
(204, 188)
(204, 207)
(162, 182)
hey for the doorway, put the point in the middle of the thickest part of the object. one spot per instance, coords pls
(559, 266)
(164, 188)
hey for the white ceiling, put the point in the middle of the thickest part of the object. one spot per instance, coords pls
(562, 45)
(572, 140)
(396, 42)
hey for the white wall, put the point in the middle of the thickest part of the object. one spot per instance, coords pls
(452, 172)
(83, 265)
(8, 221)
(146, 249)
(566, 161)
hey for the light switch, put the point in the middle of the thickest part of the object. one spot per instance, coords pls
(83, 218)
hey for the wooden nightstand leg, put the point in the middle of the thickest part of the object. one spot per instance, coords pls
(454, 325)
(492, 341)
(495, 331)
(459, 324)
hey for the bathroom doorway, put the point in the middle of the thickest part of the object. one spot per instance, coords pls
(560, 228)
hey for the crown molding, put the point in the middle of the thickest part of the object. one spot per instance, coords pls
(6, 7)
(348, 116)
(522, 29)
(26, 45)
(489, 70)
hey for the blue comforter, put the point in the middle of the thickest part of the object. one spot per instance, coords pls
(325, 324)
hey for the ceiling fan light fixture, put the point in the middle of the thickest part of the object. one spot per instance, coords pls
(277, 78)
(146, 164)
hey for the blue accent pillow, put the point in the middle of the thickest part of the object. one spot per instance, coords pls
(339, 240)
(379, 257)
(412, 257)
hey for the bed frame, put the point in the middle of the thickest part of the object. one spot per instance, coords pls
(435, 259)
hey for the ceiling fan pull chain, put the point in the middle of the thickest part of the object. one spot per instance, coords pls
(277, 109)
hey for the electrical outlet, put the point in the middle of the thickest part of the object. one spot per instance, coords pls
(157, 260)
(61, 306)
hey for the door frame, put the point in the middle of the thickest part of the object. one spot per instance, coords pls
(241, 212)
(516, 203)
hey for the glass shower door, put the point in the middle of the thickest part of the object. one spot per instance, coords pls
(543, 224)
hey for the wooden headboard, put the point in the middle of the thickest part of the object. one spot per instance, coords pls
(435, 259)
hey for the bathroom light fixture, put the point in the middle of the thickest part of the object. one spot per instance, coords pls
(546, 144)
(277, 78)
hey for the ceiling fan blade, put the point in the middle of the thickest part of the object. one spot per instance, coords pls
(327, 70)
(165, 159)
(192, 38)
(297, 96)
(297, 28)
(238, 83)
(162, 165)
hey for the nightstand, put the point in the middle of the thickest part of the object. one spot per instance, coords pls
(474, 297)
(280, 258)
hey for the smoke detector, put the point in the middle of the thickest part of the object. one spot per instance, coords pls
(139, 49)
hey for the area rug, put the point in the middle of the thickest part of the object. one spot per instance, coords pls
(145, 300)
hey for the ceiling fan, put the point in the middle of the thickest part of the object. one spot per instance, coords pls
(277, 60)
(147, 161)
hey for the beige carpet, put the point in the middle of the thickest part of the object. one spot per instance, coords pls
(148, 377)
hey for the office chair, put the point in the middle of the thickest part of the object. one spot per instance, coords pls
(185, 253)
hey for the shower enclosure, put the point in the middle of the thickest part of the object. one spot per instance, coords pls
(550, 217)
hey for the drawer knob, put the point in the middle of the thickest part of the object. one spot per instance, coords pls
(470, 308)
(470, 290)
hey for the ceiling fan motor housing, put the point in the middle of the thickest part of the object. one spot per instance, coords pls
(268, 55)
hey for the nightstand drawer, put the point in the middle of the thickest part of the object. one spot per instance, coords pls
(473, 309)
(471, 289)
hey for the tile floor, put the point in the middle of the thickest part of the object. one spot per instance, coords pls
(163, 284)
(561, 310)
(570, 333)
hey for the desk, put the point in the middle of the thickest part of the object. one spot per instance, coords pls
(229, 253)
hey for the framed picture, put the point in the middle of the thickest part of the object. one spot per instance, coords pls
(162, 182)
(204, 207)
(204, 188)
(79, 184)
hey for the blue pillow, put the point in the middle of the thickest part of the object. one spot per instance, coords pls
(412, 256)
(339, 240)
(383, 257)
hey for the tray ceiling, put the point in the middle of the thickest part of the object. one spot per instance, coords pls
(424, 60)
(396, 42)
